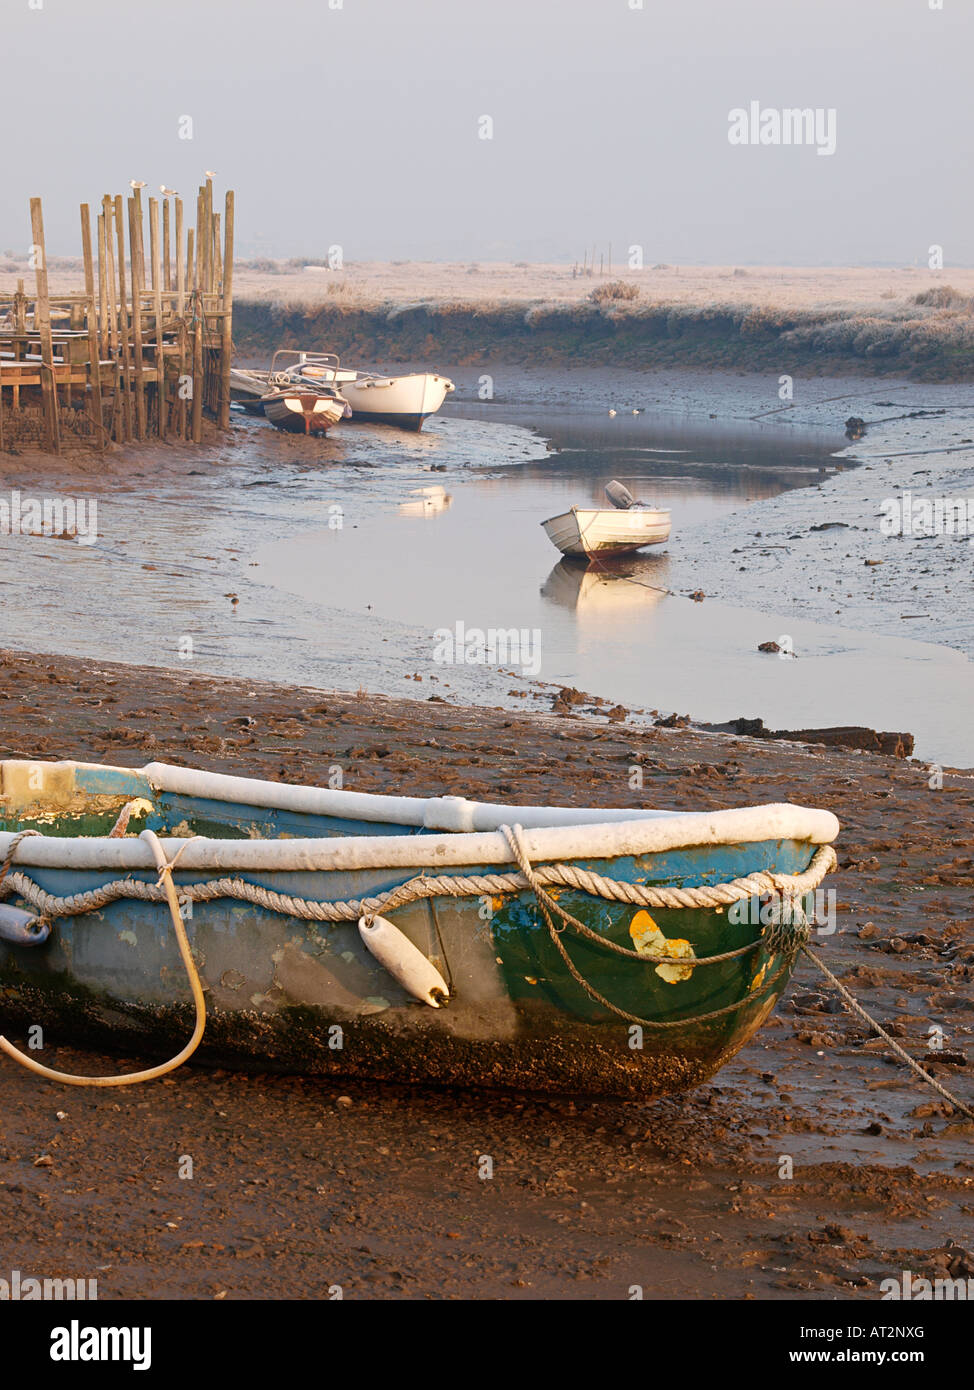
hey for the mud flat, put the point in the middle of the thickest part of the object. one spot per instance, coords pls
(300, 1186)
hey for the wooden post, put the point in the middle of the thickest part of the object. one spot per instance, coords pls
(198, 321)
(227, 348)
(112, 349)
(166, 262)
(204, 237)
(123, 323)
(94, 355)
(217, 257)
(20, 309)
(42, 315)
(137, 241)
(180, 263)
(102, 286)
(180, 312)
(135, 262)
(157, 307)
(20, 330)
(153, 240)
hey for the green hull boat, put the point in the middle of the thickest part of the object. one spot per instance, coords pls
(437, 940)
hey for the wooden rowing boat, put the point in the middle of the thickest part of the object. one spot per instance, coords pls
(424, 940)
(302, 411)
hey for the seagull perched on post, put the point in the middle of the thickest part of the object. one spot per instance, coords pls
(210, 173)
(137, 183)
(167, 192)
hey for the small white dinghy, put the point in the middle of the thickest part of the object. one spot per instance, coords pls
(617, 530)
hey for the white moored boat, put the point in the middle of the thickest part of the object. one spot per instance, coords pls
(406, 401)
(617, 530)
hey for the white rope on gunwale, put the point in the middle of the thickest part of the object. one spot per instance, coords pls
(429, 886)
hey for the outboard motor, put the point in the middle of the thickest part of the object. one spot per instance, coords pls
(619, 495)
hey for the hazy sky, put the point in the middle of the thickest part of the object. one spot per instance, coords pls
(359, 125)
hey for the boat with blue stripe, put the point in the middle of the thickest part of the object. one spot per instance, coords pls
(424, 940)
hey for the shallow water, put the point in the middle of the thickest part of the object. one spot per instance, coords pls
(344, 570)
(479, 557)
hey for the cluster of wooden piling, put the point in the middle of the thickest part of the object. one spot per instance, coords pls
(145, 349)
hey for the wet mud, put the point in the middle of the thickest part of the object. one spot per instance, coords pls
(812, 1165)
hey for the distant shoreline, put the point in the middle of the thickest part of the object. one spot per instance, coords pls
(909, 322)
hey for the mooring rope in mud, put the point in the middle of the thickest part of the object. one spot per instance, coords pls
(788, 935)
(165, 883)
(901, 1052)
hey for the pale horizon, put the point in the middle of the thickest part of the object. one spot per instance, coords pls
(609, 124)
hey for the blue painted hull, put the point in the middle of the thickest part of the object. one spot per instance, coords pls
(287, 994)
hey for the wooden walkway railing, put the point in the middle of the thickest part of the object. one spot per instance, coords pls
(145, 349)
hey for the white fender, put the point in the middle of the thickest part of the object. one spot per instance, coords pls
(404, 961)
(22, 928)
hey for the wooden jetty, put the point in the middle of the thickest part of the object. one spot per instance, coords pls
(144, 350)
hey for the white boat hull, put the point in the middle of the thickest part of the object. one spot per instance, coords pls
(405, 401)
(607, 531)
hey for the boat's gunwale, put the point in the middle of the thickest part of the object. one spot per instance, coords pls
(614, 512)
(462, 832)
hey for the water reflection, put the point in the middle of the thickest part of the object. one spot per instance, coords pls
(597, 591)
(426, 501)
